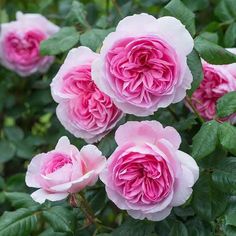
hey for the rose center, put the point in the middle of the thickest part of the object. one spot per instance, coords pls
(56, 162)
(143, 178)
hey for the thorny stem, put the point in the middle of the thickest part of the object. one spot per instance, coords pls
(78, 201)
(189, 101)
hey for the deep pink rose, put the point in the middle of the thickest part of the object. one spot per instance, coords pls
(142, 65)
(20, 41)
(147, 175)
(64, 170)
(218, 80)
(83, 109)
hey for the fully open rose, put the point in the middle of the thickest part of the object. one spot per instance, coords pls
(83, 109)
(63, 171)
(218, 80)
(143, 65)
(147, 175)
(20, 41)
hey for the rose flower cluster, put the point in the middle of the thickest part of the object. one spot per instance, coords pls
(142, 66)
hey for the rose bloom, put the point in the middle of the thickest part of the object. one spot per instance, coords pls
(63, 171)
(147, 175)
(83, 109)
(143, 64)
(20, 41)
(218, 80)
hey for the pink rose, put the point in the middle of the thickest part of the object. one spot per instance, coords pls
(142, 65)
(83, 109)
(218, 80)
(20, 41)
(147, 175)
(63, 170)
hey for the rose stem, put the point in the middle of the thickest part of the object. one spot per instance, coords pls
(189, 101)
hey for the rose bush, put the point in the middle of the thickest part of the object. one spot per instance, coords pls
(151, 84)
(20, 40)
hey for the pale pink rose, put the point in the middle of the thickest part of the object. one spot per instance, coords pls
(83, 109)
(63, 171)
(20, 41)
(147, 175)
(142, 65)
(218, 80)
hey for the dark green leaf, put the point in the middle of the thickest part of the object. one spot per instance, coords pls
(77, 14)
(19, 200)
(24, 150)
(196, 227)
(196, 5)
(50, 232)
(195, 66)
(178, 229)
(14, 133)
(205, 141)
(133, 227)
(230, 36)
(20, 222)
(208, 201)
(227, 137)
(212, 52)
(62, 41)
(226, 105)
(60, 219)
(94, 38)
(226, 10)
(224, 175)
(16, 183)
(7, 151)
(177, 9)
(212, 37)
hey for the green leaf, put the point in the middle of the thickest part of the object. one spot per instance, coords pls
(60, 42)
(77, 14)
(196, 227)
(205, 141)
(230, 36)
(227, 137)
(16, 183)
(226, 10)
(60, 219)
(133, 227)
(226, 105)
(20, 222)
(94, 38)
(213, 37)
(224, 175)
(24, 150)
(107, 145)
(14, 133)
(19, 200)
(178, 229)
(196, 5)
(195, 66)
(208, 201)
(177, 9)
(7, 151)
(50, 232)
(212, 52)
